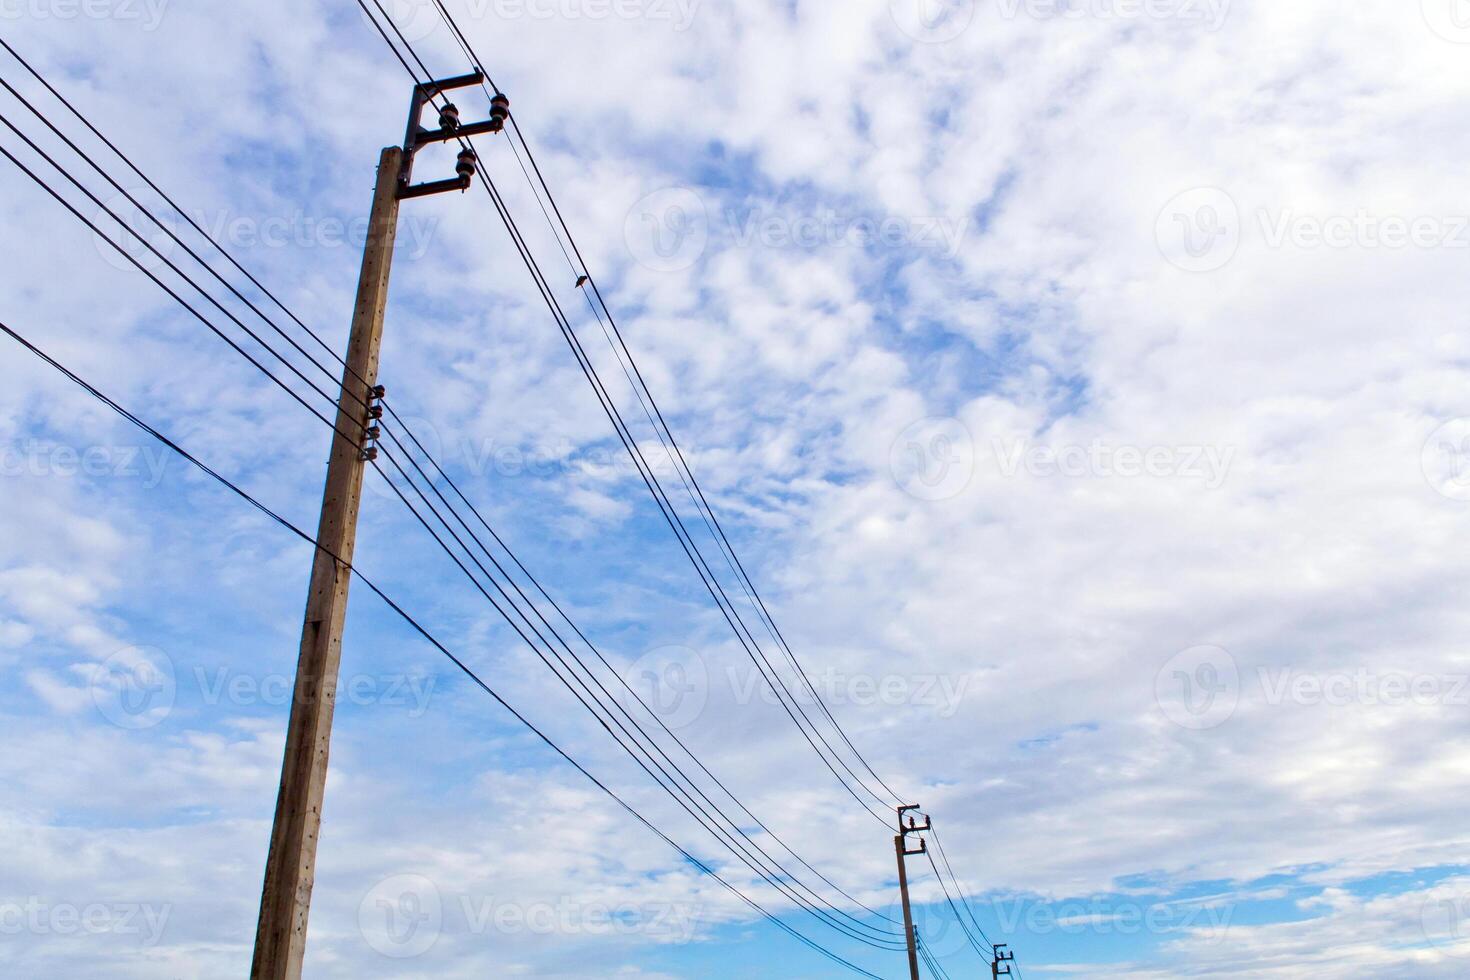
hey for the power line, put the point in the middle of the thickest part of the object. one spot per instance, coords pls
(930, 961)
(965, 901)
(988, 950)
(666, 507)
(394, 414)
(183, 302)
(330, 351)
(672, 786)
(135, 420)
(703, 503)
(448, 505)
(163, 226)
(661, 428)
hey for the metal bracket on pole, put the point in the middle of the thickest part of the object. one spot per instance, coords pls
(911, 827)
(1003, 957)
(417, 136)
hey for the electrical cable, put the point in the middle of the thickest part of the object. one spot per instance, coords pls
(372, 586)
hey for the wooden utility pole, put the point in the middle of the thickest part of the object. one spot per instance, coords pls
(280, 938)
(290, 870)
(900, 845)
(908, 915)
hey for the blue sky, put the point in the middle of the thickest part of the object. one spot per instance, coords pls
(1083, 386)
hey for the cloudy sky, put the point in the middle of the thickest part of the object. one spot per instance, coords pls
(1083, 385)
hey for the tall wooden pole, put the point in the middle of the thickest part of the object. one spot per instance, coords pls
(908, 915)
(280, 938)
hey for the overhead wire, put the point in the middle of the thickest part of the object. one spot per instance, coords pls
(666, 781)
(394, 414)
(671, 515)
(964, 899)
(418, 628)
(984, 952)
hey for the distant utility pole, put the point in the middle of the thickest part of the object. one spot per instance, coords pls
(280, 938)
(1003, 957)
(900, 845)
